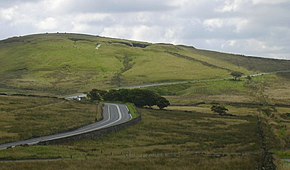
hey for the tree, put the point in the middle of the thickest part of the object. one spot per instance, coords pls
(236, 75)
(221, 110)
(249, 78)
(142, 97)
(162, 102)
(96, 94)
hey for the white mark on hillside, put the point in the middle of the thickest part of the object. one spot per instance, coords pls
(98, 46)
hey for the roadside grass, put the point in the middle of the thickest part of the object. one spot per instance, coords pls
(163, 140)
(133, 110)
(28, 117)
(99, 111)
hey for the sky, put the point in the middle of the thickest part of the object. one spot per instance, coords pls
(248, 27)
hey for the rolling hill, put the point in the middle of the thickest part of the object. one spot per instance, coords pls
(67, 63)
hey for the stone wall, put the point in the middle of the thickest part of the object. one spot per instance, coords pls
(97, 134)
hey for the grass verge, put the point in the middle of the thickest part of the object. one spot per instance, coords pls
(132, 110)
(99, 111)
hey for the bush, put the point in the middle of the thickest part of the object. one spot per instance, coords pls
(236, 75)
(162, 102)
(221, 110)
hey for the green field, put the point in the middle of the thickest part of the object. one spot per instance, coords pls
(275, 88)
(59, 64)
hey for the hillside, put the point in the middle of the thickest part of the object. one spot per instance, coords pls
(68, 63)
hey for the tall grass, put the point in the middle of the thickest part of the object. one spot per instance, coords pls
(163, 140)
(28, 117)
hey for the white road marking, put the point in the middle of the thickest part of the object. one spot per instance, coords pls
(119, 112)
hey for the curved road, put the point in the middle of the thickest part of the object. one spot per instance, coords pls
(113, 114)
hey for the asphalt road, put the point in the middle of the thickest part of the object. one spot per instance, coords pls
(114, 114)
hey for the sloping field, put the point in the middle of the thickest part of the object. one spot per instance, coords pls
(68, 63)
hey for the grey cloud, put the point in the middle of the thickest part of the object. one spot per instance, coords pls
(115, 6)
(7, 3)
(261, 29)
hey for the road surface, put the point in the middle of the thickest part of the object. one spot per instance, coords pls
(114, 114)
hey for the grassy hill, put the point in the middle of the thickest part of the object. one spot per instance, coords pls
(68, 63)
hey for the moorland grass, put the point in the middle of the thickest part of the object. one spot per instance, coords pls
(28, 117)
(164, 140)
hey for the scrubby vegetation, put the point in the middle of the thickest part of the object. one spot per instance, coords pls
(27, 117)
(220, 109)
(164, 140)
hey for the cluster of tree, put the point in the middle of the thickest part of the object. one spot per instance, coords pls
(140, 97)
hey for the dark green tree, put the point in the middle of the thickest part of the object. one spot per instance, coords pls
(140, 97)
(236, 75)
(96, 94)
(162, 102)
(221, 110)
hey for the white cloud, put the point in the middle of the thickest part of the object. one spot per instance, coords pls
(8, 14)
(48, 24)
(212, 24)
(254, 27)
(271, 2)
(231, 5)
